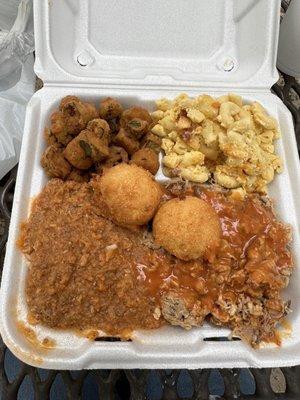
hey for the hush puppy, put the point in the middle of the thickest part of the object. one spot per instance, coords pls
(188, 228)
(130, 193)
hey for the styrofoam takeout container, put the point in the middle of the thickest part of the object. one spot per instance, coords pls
(138, 51)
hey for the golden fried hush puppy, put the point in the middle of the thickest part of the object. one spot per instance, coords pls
(130, 193)
(136, 120)
(147, 159)
(54, 163)
(110, 108)
(188, 228)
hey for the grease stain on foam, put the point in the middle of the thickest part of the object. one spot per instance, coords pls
(93, 334)
(38, 346)
(25, 356)
(43, 345)
(90, 334)
(285, 329)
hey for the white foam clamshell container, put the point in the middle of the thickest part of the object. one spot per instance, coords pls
(139, 51)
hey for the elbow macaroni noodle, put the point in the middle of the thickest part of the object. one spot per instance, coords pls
(218, 138)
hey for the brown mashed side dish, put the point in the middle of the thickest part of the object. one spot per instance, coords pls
(85, 272)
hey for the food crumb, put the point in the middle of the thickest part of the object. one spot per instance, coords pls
(157, 313)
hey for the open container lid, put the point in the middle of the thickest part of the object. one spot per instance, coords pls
(198, 43)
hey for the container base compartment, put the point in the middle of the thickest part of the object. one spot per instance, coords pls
(167, 347)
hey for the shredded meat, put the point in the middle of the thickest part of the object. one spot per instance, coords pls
(87, 273)
(181, 307)
(252, 265)
(80, 273)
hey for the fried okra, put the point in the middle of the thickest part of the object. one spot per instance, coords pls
(114, 125)
(110, 108)
(78, 152)
(54, 163)
(116, 156)
(50, 138)
(58, 128)
(77, 113)
(78, 175)
(147, 159)
(127, 141)
(101, 128)
(86, 149)
(72, 117)
(152, 141)
(89, 142)
(136, 120)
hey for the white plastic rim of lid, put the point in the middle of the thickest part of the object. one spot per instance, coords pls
(216, 43)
